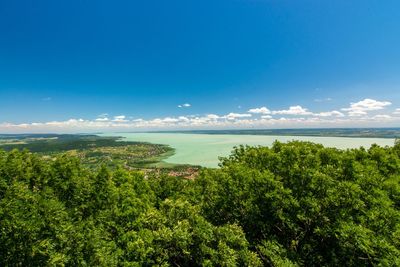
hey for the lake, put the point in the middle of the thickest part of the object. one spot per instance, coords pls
(204, 149)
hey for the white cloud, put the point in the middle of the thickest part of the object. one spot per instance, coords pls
(262, 110)
(233, 116)
(323, 99)
(356, 113)
(169, 120)
(120, 118)
(293, 110)
(102, 119)
(183, 118)
(382, 117)
(186, 105)
(333, 113)
(266, 116)
(397, 111)
(213, 116)
(364, 106)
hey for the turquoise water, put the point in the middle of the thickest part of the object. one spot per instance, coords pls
(204, 149)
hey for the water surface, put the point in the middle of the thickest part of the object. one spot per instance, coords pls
(204, 149)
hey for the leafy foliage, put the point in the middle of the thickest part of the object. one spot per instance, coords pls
(309, 205)
(294, 204)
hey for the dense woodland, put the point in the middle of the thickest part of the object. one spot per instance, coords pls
(294, 204)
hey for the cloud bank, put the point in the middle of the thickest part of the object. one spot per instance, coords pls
(365, 113)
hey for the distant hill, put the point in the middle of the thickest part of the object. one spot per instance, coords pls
(331, 132)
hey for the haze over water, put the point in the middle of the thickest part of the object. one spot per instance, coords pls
(205, 149)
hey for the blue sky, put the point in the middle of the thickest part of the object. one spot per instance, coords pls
(65, 64)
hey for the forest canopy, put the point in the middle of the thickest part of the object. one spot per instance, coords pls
(293, 204)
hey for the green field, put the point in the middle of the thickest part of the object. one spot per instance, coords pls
(92, 150)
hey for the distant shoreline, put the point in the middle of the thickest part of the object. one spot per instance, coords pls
(321, 132)
(390, 133)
